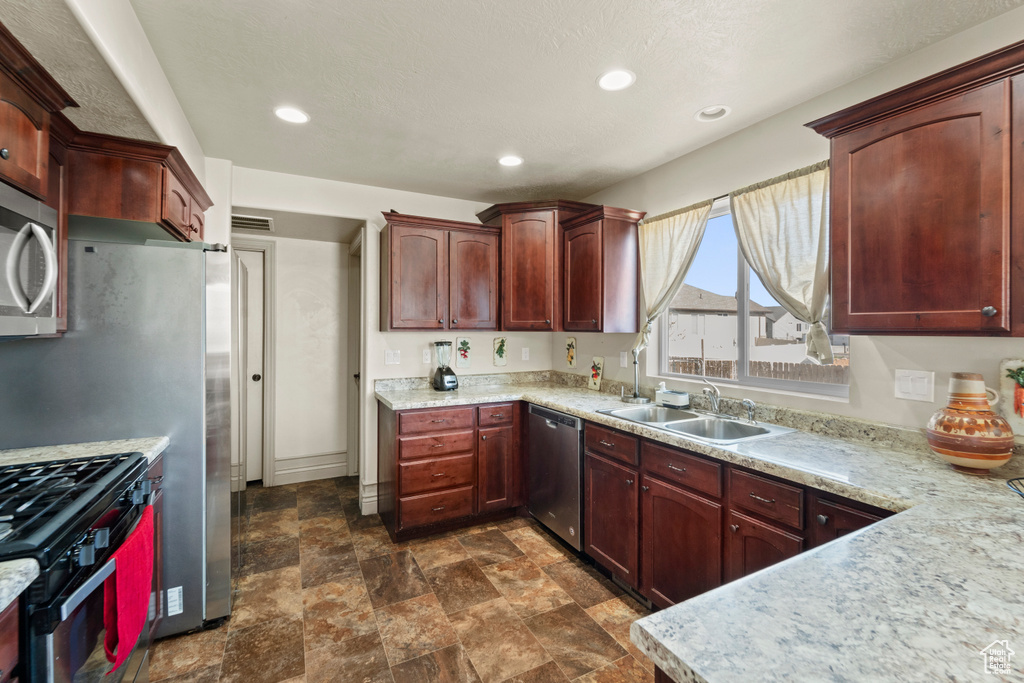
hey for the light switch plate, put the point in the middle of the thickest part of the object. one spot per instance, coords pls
(426, 356)
(526, 353)
(915, 385)
(622, 359)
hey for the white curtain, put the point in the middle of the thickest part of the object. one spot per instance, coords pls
(782, 226)
(668, 244)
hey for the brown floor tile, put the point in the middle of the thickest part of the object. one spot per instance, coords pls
(372, 542)
(264, 526)
(450, 665)
(319, 504)
(210, 674)
(460, 585)
(266, 596)
(325, 533)
(393, 578)
(528, 589)
(414, 628)
(574, 640)
(616, 616)
(265, 556)
(625, 670)
(516, 523)
(265, 653)
(337, 611)
(537, 546)
(546, 673)
(326, 565)
(358, 660)
(497, 641)
(273, 498)
(438, 551)
(490, 547)
(584, 583)
(361, 521)
(171, 657)
(472, 530)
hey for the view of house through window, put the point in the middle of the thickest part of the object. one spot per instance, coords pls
(750, 339)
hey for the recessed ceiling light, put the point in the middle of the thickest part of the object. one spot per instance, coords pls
(712, 113)
(617, 79)
(291, 115)
(510, 160)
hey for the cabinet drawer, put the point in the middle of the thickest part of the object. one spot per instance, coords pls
(769, 498)
(428, 508)
(435, 420)
(436, 444)
(682, 468)
(495, 414)
(435, 473)
(611, 443)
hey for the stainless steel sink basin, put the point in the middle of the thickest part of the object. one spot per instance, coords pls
(724, 431)
(651, 414)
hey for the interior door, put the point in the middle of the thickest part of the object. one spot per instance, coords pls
(252, 370)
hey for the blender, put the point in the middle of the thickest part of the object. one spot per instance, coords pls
(444, 376)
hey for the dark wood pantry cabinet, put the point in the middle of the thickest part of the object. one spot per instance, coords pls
(927, 224)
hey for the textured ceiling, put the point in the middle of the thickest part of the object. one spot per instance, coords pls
(303, 226)
(426, 95)
(49, 30)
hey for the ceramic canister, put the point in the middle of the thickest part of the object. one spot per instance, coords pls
(966, 433)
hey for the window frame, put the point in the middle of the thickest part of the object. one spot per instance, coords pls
(720, 208)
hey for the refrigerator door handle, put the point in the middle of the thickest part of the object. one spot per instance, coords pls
(50, 279)
(13, 259)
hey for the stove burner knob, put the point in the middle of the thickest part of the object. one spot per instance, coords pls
(86, 555)
(101, 538)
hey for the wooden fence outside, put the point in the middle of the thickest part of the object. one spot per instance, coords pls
(801, 372)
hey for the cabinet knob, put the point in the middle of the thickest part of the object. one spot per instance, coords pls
(734, 527)
(455, 321)
(823, 519)
(629, 482)
(645, 488)
(441, 320)
(483, 437)
(547, 322)
(5, 153)
(257, 377)
(989, 311)
(593, 322)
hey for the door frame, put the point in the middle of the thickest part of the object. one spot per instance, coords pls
(355, 253)
(269, 250)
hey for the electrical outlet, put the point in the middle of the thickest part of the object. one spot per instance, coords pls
(622, 359)
(392, 357)
(426, 356)
(915, 385)
(526, 353)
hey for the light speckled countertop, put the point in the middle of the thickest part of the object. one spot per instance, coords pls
(16, 575)
(914, 597)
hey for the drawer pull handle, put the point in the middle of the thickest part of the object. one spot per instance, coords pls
(438, 509)
(441, 420)
(606, 444)
(823, 519)
(439, 474)
(677, 469)
(734, 527)
(497, 414)
(441, 445)
(763, 500)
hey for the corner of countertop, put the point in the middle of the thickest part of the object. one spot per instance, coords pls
(15, 577)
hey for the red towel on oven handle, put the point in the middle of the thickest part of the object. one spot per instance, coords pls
(126, 592)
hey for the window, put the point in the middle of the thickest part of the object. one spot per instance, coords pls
(724, 323)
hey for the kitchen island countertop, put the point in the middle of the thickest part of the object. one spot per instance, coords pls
(917, 596)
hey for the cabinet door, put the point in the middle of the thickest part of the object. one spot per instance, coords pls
(473, 280)
(831, 520)
(920, 226)
(682, 543)
(528, 270)
(752, 545)
(24, 139)
(583, 284)
(177, 204)
(612, 517)
(419, 282)
(496, 468)
(196, 221)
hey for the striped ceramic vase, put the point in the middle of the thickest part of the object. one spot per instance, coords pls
(966, 433)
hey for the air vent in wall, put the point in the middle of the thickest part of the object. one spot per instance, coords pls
(239, 222)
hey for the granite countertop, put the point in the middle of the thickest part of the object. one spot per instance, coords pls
(16, 575)
(914, 597)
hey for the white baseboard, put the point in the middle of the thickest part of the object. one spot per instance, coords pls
(368, 499)
(296, 470)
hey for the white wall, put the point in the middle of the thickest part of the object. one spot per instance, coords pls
(781, 144)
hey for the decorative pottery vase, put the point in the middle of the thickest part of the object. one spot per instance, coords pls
(966, 433)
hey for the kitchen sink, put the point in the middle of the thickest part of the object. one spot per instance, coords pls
(651, 414)
(724, 431)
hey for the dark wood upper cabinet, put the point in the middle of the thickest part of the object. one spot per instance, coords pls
(751, 545)
(925, 235)
(601, 285)
(612, 516)
(437, 274)
(473, 280)
(682, 543)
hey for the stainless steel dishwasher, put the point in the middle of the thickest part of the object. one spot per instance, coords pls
(556, 477)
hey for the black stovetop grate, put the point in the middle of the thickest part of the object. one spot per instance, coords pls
(33, 493)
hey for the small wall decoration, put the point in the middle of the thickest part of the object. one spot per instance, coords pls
(570, 351)
(596, 370)
(462, 352)
(1011, 388)
(500, 351)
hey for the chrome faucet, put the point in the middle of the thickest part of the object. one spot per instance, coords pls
(750, 406)
(635, 397)
(713, 394)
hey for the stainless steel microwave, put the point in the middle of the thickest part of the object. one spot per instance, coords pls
(28, 259)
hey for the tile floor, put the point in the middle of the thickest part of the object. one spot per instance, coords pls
(324, 595)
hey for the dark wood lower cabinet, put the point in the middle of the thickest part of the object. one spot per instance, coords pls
(752, 545)
(831, 520)
(661, 677)
(612, 516)
(496, 462)
(682, 543)
(9, 642)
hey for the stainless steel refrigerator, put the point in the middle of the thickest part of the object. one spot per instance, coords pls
(147, 354)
